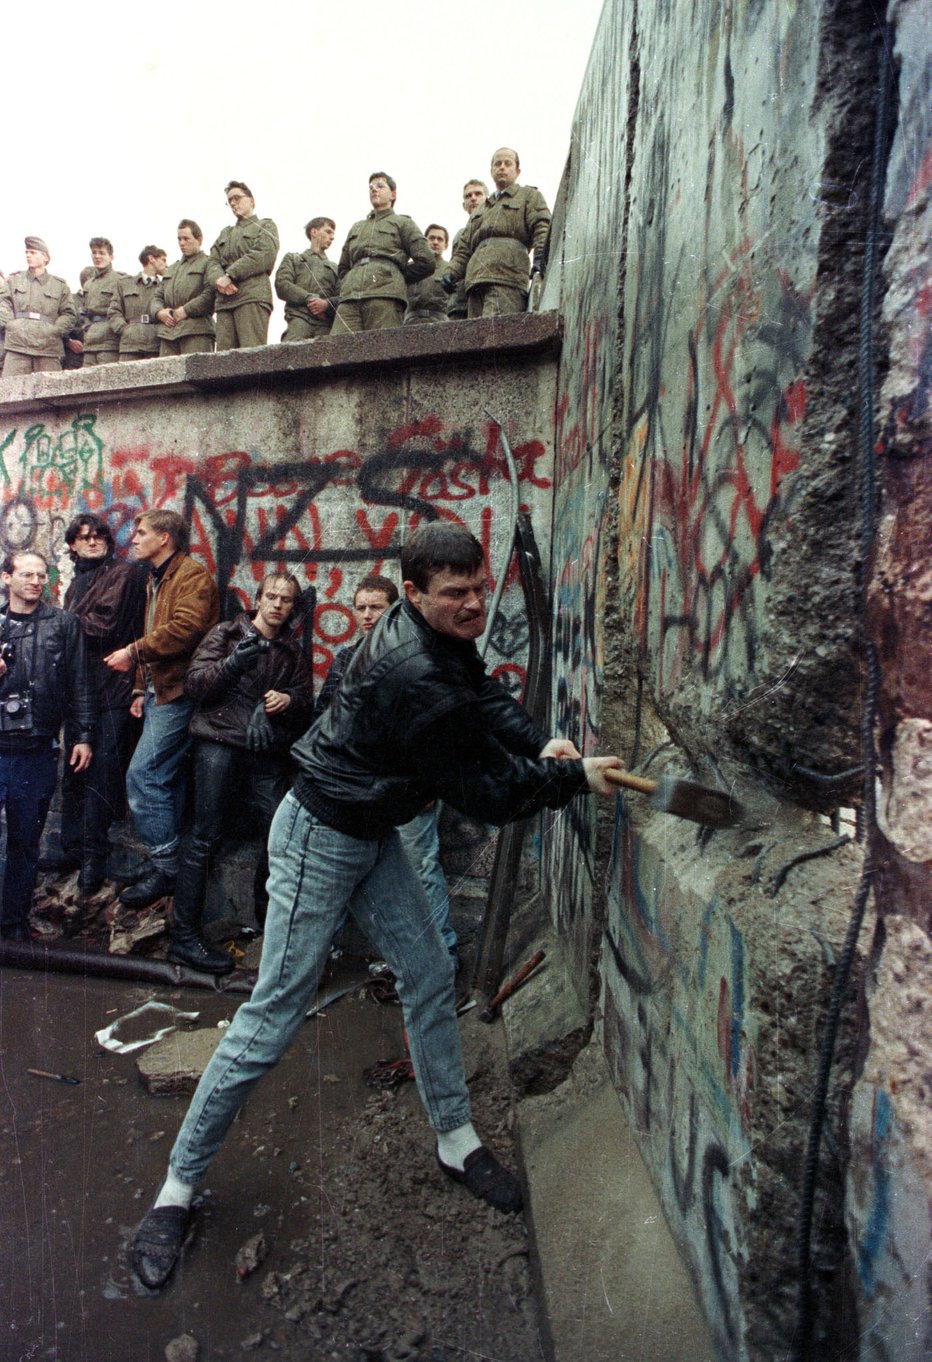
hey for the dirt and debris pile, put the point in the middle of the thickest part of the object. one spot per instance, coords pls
(398, 1262)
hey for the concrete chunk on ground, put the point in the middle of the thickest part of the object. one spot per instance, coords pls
(175, 1064)
(184, 1348)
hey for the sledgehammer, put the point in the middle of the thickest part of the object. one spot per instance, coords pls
(682, 798)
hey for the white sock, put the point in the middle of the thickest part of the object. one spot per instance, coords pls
(174, 1192)
(453, 1146)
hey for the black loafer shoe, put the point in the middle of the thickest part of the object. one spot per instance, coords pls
(153, 885)
(158, 1242)
(196, 953)
(485, 1177)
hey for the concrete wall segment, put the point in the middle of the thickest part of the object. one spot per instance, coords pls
(889, 1186)
(320, 474)
(587, 250)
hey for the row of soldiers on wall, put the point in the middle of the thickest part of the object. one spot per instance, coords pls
(389, 274)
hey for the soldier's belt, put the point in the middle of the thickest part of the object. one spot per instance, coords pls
(146, 318)
(95, 316)
(368, 259)
(35, 316)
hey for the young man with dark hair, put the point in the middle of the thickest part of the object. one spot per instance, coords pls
(252, 691)
(382, 254)
(307, 283)
(100, 343)
(427, 300)
(243, 257)
(414, 718)
(475, 193)
(108, 597)
(43, 681)
(182, 603)
(184, 299)
(133, 307)
(419, 836)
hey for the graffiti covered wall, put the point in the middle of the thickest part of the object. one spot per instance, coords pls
(707, 523)
(583, 276)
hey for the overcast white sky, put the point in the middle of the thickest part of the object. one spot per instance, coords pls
(129, 116)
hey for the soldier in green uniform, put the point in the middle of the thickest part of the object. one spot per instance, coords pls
(427, 301)
(307, 283)
(245, 254)
(184, 299)
(475, 193)
(73, 352)
(100, 344)
(36, 311)
(132, 310)
(493, 253)
(382, 254)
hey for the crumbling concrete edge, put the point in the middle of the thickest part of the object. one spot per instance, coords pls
(581, 1167)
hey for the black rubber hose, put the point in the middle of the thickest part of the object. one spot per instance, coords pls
(802, 1340)
(131, 968)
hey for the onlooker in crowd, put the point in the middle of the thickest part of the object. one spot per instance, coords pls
(382, 254)
(108, 597)
(100, 343)
(475, 193)
(252, 690)
(184, 299)
(132, 310)
(43, 680)
(307, 283)
(415, 717)
(182, 603)
(37, 312)
(493, 252)
(419, 837)
(427, 300)
(73, 351)
(244, 255)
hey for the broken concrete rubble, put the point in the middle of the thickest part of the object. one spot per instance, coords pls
(175, 1064)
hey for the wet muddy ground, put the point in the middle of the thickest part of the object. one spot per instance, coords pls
(371, 1253)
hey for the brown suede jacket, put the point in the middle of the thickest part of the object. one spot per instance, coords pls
(187, 604)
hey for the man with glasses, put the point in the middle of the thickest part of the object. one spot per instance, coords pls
(109, 598)
(43, 681)
(245, 256)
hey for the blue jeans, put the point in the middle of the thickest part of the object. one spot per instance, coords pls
(420, 841)
(27, 782)
(314, 873)
(155, 779)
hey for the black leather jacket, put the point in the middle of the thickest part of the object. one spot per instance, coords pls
(59, 683)
(417, 718)
(224, 709)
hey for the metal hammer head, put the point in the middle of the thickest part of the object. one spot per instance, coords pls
(687, 799)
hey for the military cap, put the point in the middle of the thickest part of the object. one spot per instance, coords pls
(35, 243)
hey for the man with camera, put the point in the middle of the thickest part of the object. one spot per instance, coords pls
(43, 681)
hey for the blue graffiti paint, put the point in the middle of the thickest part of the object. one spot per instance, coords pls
(878, 1218)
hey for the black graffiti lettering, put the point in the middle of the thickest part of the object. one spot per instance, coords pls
(715, 1165)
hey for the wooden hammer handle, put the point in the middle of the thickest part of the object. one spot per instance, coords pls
(517, 979)
(630, 782)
